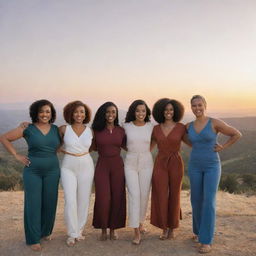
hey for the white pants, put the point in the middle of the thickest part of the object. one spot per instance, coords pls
(138, 174)
(76, 176)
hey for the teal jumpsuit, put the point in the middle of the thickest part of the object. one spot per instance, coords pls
(41, 181)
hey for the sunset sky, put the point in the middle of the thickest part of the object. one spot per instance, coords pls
(122, 50)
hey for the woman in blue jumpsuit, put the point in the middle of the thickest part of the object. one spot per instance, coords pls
(41, 172)
(205, 169)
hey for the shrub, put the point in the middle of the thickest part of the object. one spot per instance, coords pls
(229, 183)
(185, 183)
(11, 182)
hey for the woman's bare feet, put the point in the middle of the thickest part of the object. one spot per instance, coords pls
(36, 247)
(103, 236)
(142, 229)
(137, 238)
(171, 234)
(80, 238)
(71, 241)
(205, 248)
(113, 235)
(195, 238)
(47, 238)
(165, 234)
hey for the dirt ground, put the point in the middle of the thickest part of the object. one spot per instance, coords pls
(235, 232)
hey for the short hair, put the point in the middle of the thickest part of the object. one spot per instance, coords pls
(99, 121)
(70, 108)
(159, 108)
(35, 108)
(198, 97)
(130, 115)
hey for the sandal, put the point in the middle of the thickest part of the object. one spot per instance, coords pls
(36, 247)
(47, 238)
(136, 241)
(70, 241)
(205, 248)
(113, 235)
(171, 234)
(142, 229)
(164, 235)
(80, 238)
(195, 238)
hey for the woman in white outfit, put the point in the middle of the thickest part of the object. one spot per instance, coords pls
(77, 169)
(138, 164)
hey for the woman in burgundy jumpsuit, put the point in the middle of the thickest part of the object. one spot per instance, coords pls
(110, 199)
(168, 167)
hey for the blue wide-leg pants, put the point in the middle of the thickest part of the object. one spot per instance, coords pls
(204, 181)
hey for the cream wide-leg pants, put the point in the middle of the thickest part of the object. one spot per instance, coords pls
(138, 174)
(76, 176)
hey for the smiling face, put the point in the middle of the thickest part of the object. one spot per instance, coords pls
(110, 115)
(168, 112)
(44, 114)
(140, 113)
(79, 115)
(198, 107)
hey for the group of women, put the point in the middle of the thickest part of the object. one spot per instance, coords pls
(138, 137)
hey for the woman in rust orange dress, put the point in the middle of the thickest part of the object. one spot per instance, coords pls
(168, 167)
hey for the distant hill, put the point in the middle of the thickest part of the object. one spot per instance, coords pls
(239, 158)
(242, 123)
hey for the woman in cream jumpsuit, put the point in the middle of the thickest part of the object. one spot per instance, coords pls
(138, 164)
(77, 168)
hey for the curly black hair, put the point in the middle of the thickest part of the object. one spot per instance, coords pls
(160, 105)
(35, 108)
(99, 121)
(130, 115)
(70, 108)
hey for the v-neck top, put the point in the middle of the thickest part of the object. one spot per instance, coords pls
(203, 143)
(171, 143)
(77, 144)
(39, 144)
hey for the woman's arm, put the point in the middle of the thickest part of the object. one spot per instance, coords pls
(186, 140)
(62, 130)
(152, 143)
(222, 127)
(93, 146)
(185, 136)
(6, 140)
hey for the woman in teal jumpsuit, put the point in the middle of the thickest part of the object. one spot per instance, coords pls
(41, 172)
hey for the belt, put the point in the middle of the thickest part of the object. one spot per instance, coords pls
(74, 154)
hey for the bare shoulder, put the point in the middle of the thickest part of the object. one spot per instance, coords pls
(224, 128)
(218, 122)
(14, 134)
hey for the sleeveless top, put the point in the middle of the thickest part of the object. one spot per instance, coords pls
(203, 143)
(77, 144)
(108, 144)
(39, 144)
(138, 137)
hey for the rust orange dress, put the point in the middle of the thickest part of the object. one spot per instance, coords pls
(167, 178)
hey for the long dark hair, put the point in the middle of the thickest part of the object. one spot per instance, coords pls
(99, 121)
(130, 115)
